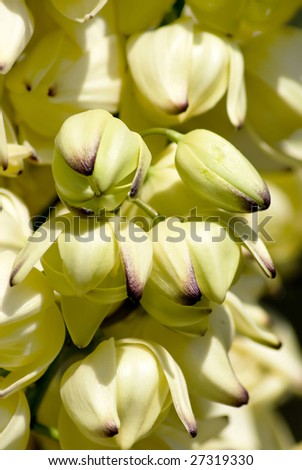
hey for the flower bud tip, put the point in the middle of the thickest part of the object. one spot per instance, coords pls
(136, 183)
(110, 430)
(4, 164)
(271, 268)
(190, 297)
(191, 293)
(13, 274)
(266, 199)
(134, 290)
(193, 431)
(84, 164)
(278, 345)
(242, 399)
(179, 107)
(80, 211)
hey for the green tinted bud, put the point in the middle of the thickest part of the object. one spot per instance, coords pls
(215, 258)
(172, 269)
(165, 190)
(192, 259)
(98, 161)
(216, 170)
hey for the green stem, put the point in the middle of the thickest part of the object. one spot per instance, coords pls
(47, 431)
(145, 207)
(172, 135)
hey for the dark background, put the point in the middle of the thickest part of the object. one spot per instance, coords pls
(289, 302)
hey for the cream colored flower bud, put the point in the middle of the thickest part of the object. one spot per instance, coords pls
(203, 358)
(93, 264)
(16, 28)
(179, 71)
(98, 161)
(216, 170)
(14, 422)
(118, 393)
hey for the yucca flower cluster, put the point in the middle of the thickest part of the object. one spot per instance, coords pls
(150, 191)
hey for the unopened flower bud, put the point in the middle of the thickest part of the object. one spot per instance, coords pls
(191, 259)
(121, 390)
(216, 170)
(98, 161)
(93, 264)
(203, 358)
(179, 71)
